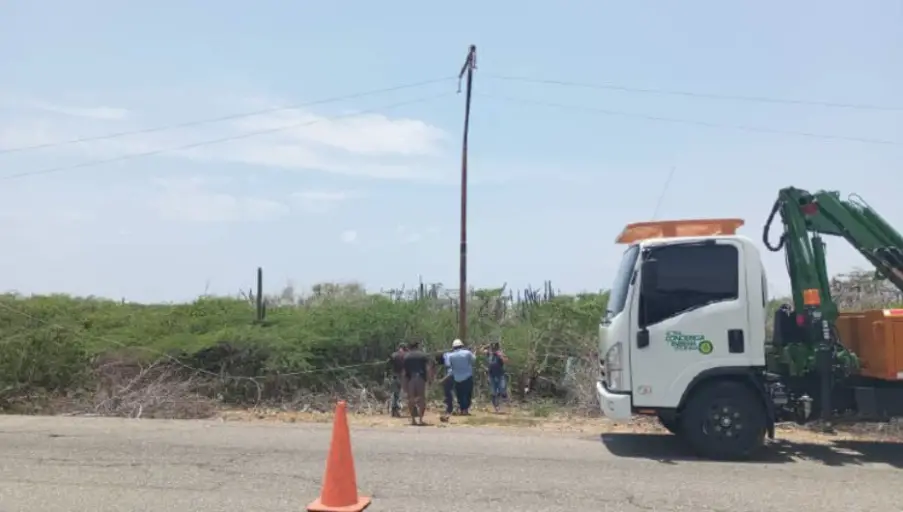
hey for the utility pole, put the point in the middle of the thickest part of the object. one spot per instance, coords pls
(467, 69)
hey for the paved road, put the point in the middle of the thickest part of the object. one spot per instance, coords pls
(99, 465)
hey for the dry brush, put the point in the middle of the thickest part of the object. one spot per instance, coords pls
(89, 355)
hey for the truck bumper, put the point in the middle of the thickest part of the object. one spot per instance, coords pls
(615, 406)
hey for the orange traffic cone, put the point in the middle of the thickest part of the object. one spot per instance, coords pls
(339, 492)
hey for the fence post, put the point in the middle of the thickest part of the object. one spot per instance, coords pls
(261, 312)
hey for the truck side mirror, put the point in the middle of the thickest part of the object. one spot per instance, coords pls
(642, 338)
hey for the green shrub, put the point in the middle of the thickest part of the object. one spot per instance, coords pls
(337, 337)
(45, 358)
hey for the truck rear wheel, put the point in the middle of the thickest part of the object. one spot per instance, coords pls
(724, 420)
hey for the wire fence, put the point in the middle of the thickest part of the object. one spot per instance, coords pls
(167, 382)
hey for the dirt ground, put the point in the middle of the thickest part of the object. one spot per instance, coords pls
(552, 422)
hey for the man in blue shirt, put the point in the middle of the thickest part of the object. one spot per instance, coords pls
(460, 363)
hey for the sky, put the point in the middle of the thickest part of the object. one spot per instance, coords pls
(366, 188)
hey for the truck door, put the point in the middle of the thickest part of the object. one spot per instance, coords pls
(693, 318)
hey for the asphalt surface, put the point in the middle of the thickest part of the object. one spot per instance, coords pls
(98, 465)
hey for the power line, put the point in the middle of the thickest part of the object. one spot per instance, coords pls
(706, 124)
(229, 117)
(661, 197)
(209, 142)
(701, 95)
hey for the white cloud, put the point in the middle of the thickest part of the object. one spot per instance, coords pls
(349, 236)
(406, 235)
(370, 145)
(189, 200)
(99, 113)
(365, 134)
(411, 238)
(59, 216)
(322, 201)
(27, 102)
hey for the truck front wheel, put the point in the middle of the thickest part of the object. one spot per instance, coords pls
(724, 420)
(671, 423)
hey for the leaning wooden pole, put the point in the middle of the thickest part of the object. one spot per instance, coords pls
(467, 70)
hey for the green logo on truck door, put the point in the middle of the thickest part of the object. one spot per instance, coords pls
(689, 342)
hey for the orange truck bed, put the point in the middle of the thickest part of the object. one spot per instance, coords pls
(877, 338)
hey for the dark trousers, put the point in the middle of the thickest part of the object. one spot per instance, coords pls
(448, 388)
(464, 392)
(395, 386)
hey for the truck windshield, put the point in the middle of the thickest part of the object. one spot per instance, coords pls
(617, 296)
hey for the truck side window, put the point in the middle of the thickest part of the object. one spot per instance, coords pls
(689, 277)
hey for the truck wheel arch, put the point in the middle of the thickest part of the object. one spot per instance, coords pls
(742, 374)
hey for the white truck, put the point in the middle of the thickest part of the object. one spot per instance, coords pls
(684, 338)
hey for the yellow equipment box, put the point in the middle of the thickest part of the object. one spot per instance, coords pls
(877, 338)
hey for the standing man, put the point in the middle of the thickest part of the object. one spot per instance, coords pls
(397, 385)
(418, 372)
(496, 360)
(460, 361)
(448, 385)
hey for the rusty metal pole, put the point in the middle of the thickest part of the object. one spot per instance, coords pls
(469, 65)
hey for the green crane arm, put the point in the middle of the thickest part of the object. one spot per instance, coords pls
(806, 216)
(805, 256)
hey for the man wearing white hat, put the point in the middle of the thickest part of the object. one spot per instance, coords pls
(460, 362)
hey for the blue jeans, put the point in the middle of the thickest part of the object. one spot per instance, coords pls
(498, 385)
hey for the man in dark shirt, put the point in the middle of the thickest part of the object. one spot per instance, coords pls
(397, 384)
(418, 372)
(496, 360)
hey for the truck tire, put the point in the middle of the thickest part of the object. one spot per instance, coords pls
(724, 421)
(671, 424)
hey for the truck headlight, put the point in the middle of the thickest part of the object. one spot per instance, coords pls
(613, 366)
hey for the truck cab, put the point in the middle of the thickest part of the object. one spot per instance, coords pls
(684, 334)
(686, 310)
